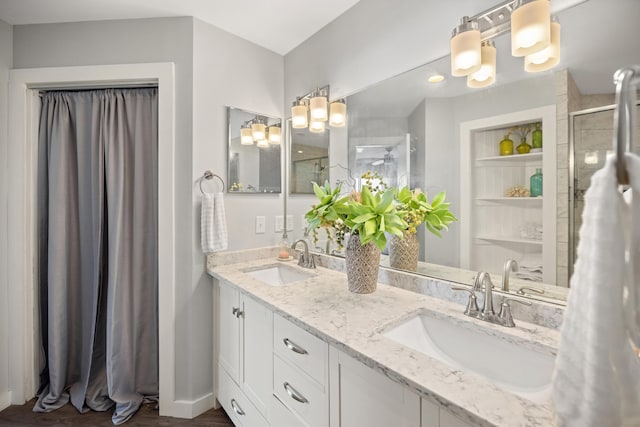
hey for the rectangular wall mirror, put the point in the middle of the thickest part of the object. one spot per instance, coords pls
(255, 142)
(452, 134)
(309, 159)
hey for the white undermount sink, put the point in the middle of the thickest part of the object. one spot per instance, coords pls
(278, 275)
(510, 366)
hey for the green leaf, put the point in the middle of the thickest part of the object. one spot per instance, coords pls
(370, 227)
(364, 217)
(438, 199)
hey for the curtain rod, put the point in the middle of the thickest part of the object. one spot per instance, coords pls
(72, 87)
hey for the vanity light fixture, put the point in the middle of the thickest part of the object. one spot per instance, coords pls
(313, 111)
(530, 27)
(338, 113)
(262, 143)
(258, 129)
(548, 57)
(246, 138)
(535, 35)
(274, 134)
(486, 75)
(465, 48)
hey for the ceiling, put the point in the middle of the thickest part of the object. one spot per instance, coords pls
(278, 25)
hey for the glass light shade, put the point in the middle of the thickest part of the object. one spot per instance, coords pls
(262, 143)
(245, 136)
(318, 108)
(275, 135)
(530, 27)
(547, 58)
(465, 49)
(299, 116)
(316, 126)
(258, 131)
(338, 113)
(486, 75)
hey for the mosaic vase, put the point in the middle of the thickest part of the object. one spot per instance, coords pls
(403, 251)
(362, 265)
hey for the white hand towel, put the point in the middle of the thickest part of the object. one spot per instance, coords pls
(597, 375)
(220, 235)
(206, 223)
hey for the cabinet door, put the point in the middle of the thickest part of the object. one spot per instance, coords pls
(361, 396)
(257, 353)
(229, 330)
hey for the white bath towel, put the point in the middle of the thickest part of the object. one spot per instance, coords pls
(213, 223)
(597, 374)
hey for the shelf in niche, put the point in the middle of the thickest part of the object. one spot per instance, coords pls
(514, 158)
(516, 200)
(510, 240)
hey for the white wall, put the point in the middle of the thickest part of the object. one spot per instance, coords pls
(6, 57)
(213, 69)
(227, 71)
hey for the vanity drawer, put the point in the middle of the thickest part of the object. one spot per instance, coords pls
(281, 416)
(300, 394)
(236, 404)
(304, 350)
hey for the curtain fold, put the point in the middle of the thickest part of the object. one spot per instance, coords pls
(98, 249)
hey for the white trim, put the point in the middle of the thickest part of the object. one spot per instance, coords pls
(192, 408)
(21, 215)
(5, 400)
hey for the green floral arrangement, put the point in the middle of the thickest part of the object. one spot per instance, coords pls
(367, 214)
(416, 209)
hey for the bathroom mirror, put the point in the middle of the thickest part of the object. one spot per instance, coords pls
(255, 142)
(309, 159)
(428, 118)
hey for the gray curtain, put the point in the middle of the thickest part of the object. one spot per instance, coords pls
(98, 249)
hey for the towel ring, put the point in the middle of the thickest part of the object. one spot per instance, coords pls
(210, 175)
(624, 117)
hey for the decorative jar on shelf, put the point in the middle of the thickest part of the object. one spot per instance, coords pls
(506, 146)
(536, 136)
(536, 183)
(524, 147)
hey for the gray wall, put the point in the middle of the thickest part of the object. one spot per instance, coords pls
(213, 69)
(6, 54)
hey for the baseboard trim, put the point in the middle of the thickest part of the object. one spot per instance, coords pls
(5, 400)
(190, 409)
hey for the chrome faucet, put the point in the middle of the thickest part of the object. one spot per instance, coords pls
(305, 259)
(483, 279)
(509, 266)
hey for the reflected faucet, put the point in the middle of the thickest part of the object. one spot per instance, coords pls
(509, 266)
(305, 259)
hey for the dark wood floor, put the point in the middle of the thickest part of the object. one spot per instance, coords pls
(69, 416)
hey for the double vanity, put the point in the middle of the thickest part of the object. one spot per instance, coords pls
(295, 348)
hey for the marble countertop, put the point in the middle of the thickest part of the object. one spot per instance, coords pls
(353, 323)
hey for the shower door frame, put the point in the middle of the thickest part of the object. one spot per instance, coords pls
(572, 178)
(24, 88)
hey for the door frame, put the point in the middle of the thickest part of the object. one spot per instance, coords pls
(24, 87)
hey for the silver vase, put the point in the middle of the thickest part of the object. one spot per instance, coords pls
(362, 265)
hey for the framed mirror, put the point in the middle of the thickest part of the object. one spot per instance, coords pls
(254, 153)
(433, 117)
(309, 159)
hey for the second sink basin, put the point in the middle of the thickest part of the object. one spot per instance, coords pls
(278, 275)
(460, 344)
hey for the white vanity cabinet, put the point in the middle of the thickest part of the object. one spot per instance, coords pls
(245, 380)
(361, 396)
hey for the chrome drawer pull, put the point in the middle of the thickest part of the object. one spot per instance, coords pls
(294, 347)
(294, 394)
(236, 408)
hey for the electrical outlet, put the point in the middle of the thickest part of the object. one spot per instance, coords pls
(289, 222)
(303, 222)
(279, 226)
(260, 224)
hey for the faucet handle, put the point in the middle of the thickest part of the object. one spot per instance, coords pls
(505, 316)
(472, 304)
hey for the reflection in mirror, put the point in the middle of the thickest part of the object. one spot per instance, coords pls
(432, 114)
(309, 159)
(254, 152)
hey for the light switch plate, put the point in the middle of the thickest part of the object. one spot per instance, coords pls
(289, 222)
(279, 225)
